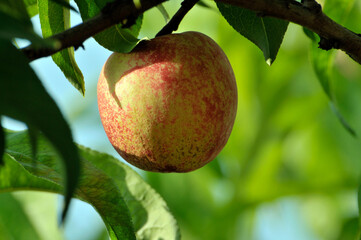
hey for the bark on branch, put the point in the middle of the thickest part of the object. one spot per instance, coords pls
(305, 14)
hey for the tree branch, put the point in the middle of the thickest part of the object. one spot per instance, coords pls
(173, 24)
(114, 13)
(306, 14)
(310, 18)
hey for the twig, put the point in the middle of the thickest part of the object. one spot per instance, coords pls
(289, 10)
(115, 13)
(173, 24)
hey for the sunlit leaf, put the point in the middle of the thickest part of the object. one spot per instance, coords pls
(54, 19)
(265, 32)
(110, 186)
(116, 38)
(23, 97)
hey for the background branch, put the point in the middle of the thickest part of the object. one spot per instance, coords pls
(290, 10)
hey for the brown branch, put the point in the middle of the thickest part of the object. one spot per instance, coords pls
(310, 18)
(118, 11)
(290, 10)
(173, 24)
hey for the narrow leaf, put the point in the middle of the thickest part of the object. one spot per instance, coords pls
(116, 38)
(265, 32)
(54, 19)
(23, 97)
(110, 186)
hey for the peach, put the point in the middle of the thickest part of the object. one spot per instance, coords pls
(170, 104)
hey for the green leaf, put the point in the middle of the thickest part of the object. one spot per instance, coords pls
(151, 216)
(54, 19)
(23, 97)
(116, 38)
(94, 186)
(14, 219)
(265, 32)
(15, 23)
(31, 7)
(110, 186)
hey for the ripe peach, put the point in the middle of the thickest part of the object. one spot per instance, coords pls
(170, 104)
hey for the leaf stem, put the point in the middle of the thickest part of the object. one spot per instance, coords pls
(173, 24)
